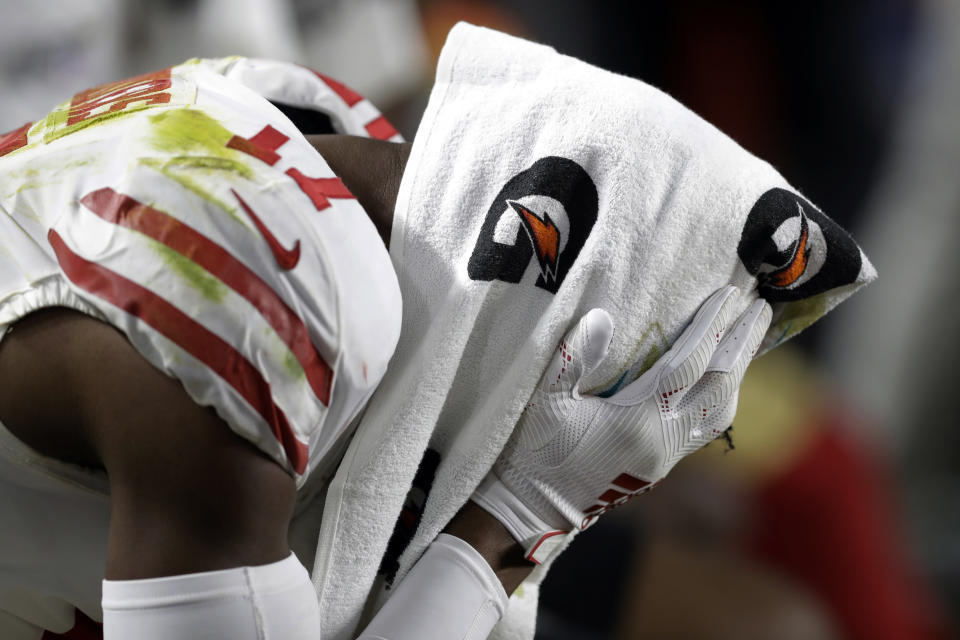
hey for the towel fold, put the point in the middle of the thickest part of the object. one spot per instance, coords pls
(540, 187)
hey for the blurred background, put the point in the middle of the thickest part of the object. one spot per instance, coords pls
(835, 513)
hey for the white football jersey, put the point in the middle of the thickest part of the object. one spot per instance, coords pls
(188, 211)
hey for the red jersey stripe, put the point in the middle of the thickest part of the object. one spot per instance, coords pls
(346, 94)
(17, 139)
(201, 343)
(123, 210)
(380, 128)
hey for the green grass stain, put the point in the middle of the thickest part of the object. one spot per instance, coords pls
(800, 314)
(176, 172)
(86, 162)
(49, 174)
(212, 164)
(180, 132)
(26, 212)
(197, 144)
(652, 357)
(293, 367)
(55, 124)
(49, 122)
(195, 275)
(36, 184)
(654, 333)
(40, 125)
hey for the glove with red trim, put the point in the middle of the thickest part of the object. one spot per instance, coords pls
(572, 457)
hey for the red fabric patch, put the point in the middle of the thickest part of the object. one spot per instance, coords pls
(346, 94)
(628, 482)
(150, 88)
(610, 495)
(262, 146)
(10, 142)
(320, 189)
(380, 129)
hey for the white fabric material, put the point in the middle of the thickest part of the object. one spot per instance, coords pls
(574, 457)
(289, 84)
(167, 141)
(450, 594)
(53, 540)
(246, 603)
(509, 133)
(531, 531)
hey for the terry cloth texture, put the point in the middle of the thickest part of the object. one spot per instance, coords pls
(539, 187)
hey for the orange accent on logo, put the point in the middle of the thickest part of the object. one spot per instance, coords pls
(789, 274)
(544, 236)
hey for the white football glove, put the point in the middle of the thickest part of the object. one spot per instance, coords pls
(573, 457)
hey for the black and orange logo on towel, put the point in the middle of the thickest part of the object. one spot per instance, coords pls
(794, 250)
(544, 213)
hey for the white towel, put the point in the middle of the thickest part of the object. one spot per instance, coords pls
(539, 187)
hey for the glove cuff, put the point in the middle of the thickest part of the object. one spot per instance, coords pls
(538, 539)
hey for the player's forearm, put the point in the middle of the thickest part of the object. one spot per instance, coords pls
(371, 170)
(458, 588)
(484, 533)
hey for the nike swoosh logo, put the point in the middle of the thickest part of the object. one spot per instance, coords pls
(286, 258)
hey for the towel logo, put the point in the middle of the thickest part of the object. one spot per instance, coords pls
(545, 213)
(794, 250)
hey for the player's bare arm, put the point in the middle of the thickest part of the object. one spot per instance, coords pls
(371, 169)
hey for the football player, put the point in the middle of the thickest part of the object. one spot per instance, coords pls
(187, 345)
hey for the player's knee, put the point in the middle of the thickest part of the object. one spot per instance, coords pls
(183, 482)
(187, 493)
(178, 526)
(185, 508)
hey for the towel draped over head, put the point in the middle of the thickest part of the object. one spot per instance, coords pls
(540, 187)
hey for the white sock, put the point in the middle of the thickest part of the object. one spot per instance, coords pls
(247, 603)
(450, 594)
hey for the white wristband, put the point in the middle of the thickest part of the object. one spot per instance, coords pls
(537, 538)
